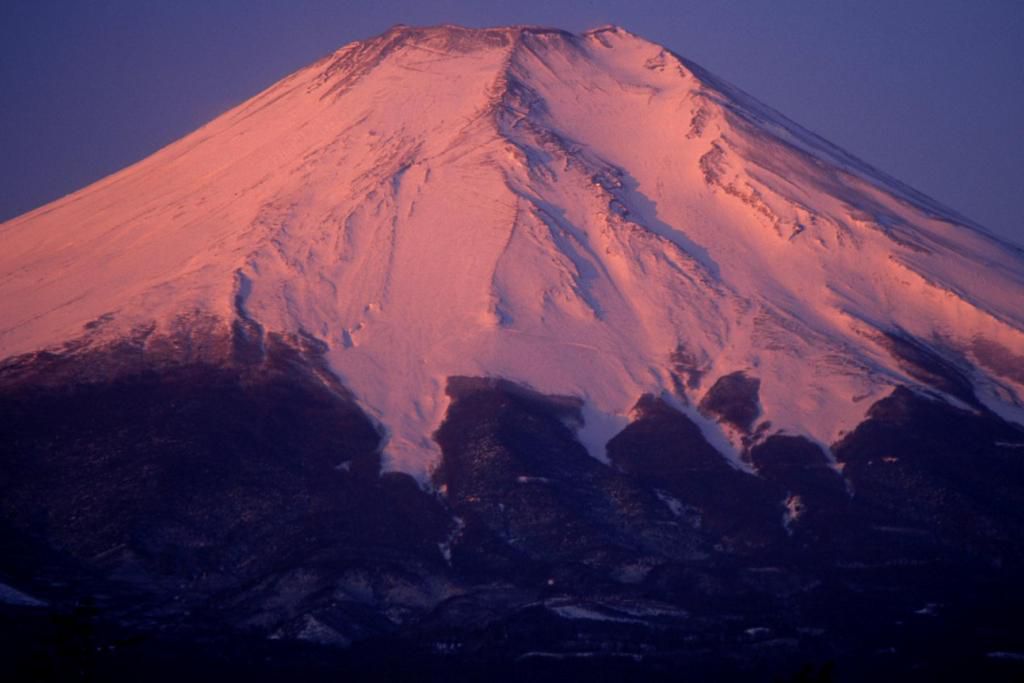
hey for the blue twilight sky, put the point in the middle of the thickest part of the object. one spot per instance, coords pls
(931, 91)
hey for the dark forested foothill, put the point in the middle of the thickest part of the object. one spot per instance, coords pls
(233, 517)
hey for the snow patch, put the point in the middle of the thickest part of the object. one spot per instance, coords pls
(794, 510)
(1008, 656)
(598, 429)
(569, 610)
(445, 546)
(13, 596)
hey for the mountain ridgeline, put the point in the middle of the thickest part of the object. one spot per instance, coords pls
(509, 352)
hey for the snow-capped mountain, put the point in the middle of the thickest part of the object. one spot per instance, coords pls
(504, 347)
(587, 215)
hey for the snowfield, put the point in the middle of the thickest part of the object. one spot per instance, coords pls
(589, 215)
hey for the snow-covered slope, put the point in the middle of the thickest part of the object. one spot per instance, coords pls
(589, 215)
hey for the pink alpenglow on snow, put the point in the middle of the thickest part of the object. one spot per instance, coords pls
(589, 215)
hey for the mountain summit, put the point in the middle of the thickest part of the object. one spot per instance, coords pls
(588, 215)
(509, 354)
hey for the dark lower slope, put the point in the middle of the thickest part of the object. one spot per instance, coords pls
(522, 484)
(943, 484)
(235, 494)
(667, 452)
(229, 517)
